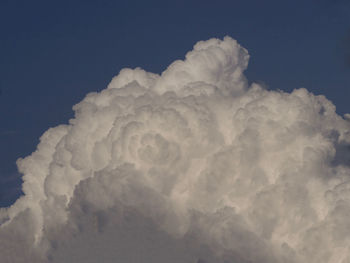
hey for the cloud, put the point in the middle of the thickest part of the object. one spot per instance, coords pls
(193, 165)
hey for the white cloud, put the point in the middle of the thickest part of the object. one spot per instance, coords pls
(189, 166)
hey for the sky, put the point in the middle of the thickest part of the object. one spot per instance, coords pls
(175, 132)
(54, 53)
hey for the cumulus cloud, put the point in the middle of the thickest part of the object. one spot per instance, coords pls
(193, 165)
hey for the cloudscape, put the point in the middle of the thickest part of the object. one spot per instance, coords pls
(192, 165)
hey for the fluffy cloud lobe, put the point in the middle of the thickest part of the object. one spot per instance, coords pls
(193, 165)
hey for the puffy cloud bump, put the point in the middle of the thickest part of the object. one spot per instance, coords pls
(193, 165)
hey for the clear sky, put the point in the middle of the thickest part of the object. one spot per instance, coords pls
(52, 53)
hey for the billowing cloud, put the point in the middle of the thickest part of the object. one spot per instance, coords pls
(193, 165)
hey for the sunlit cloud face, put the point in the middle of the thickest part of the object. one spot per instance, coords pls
(193, 165)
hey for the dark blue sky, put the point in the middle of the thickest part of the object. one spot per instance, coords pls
(54, 52)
